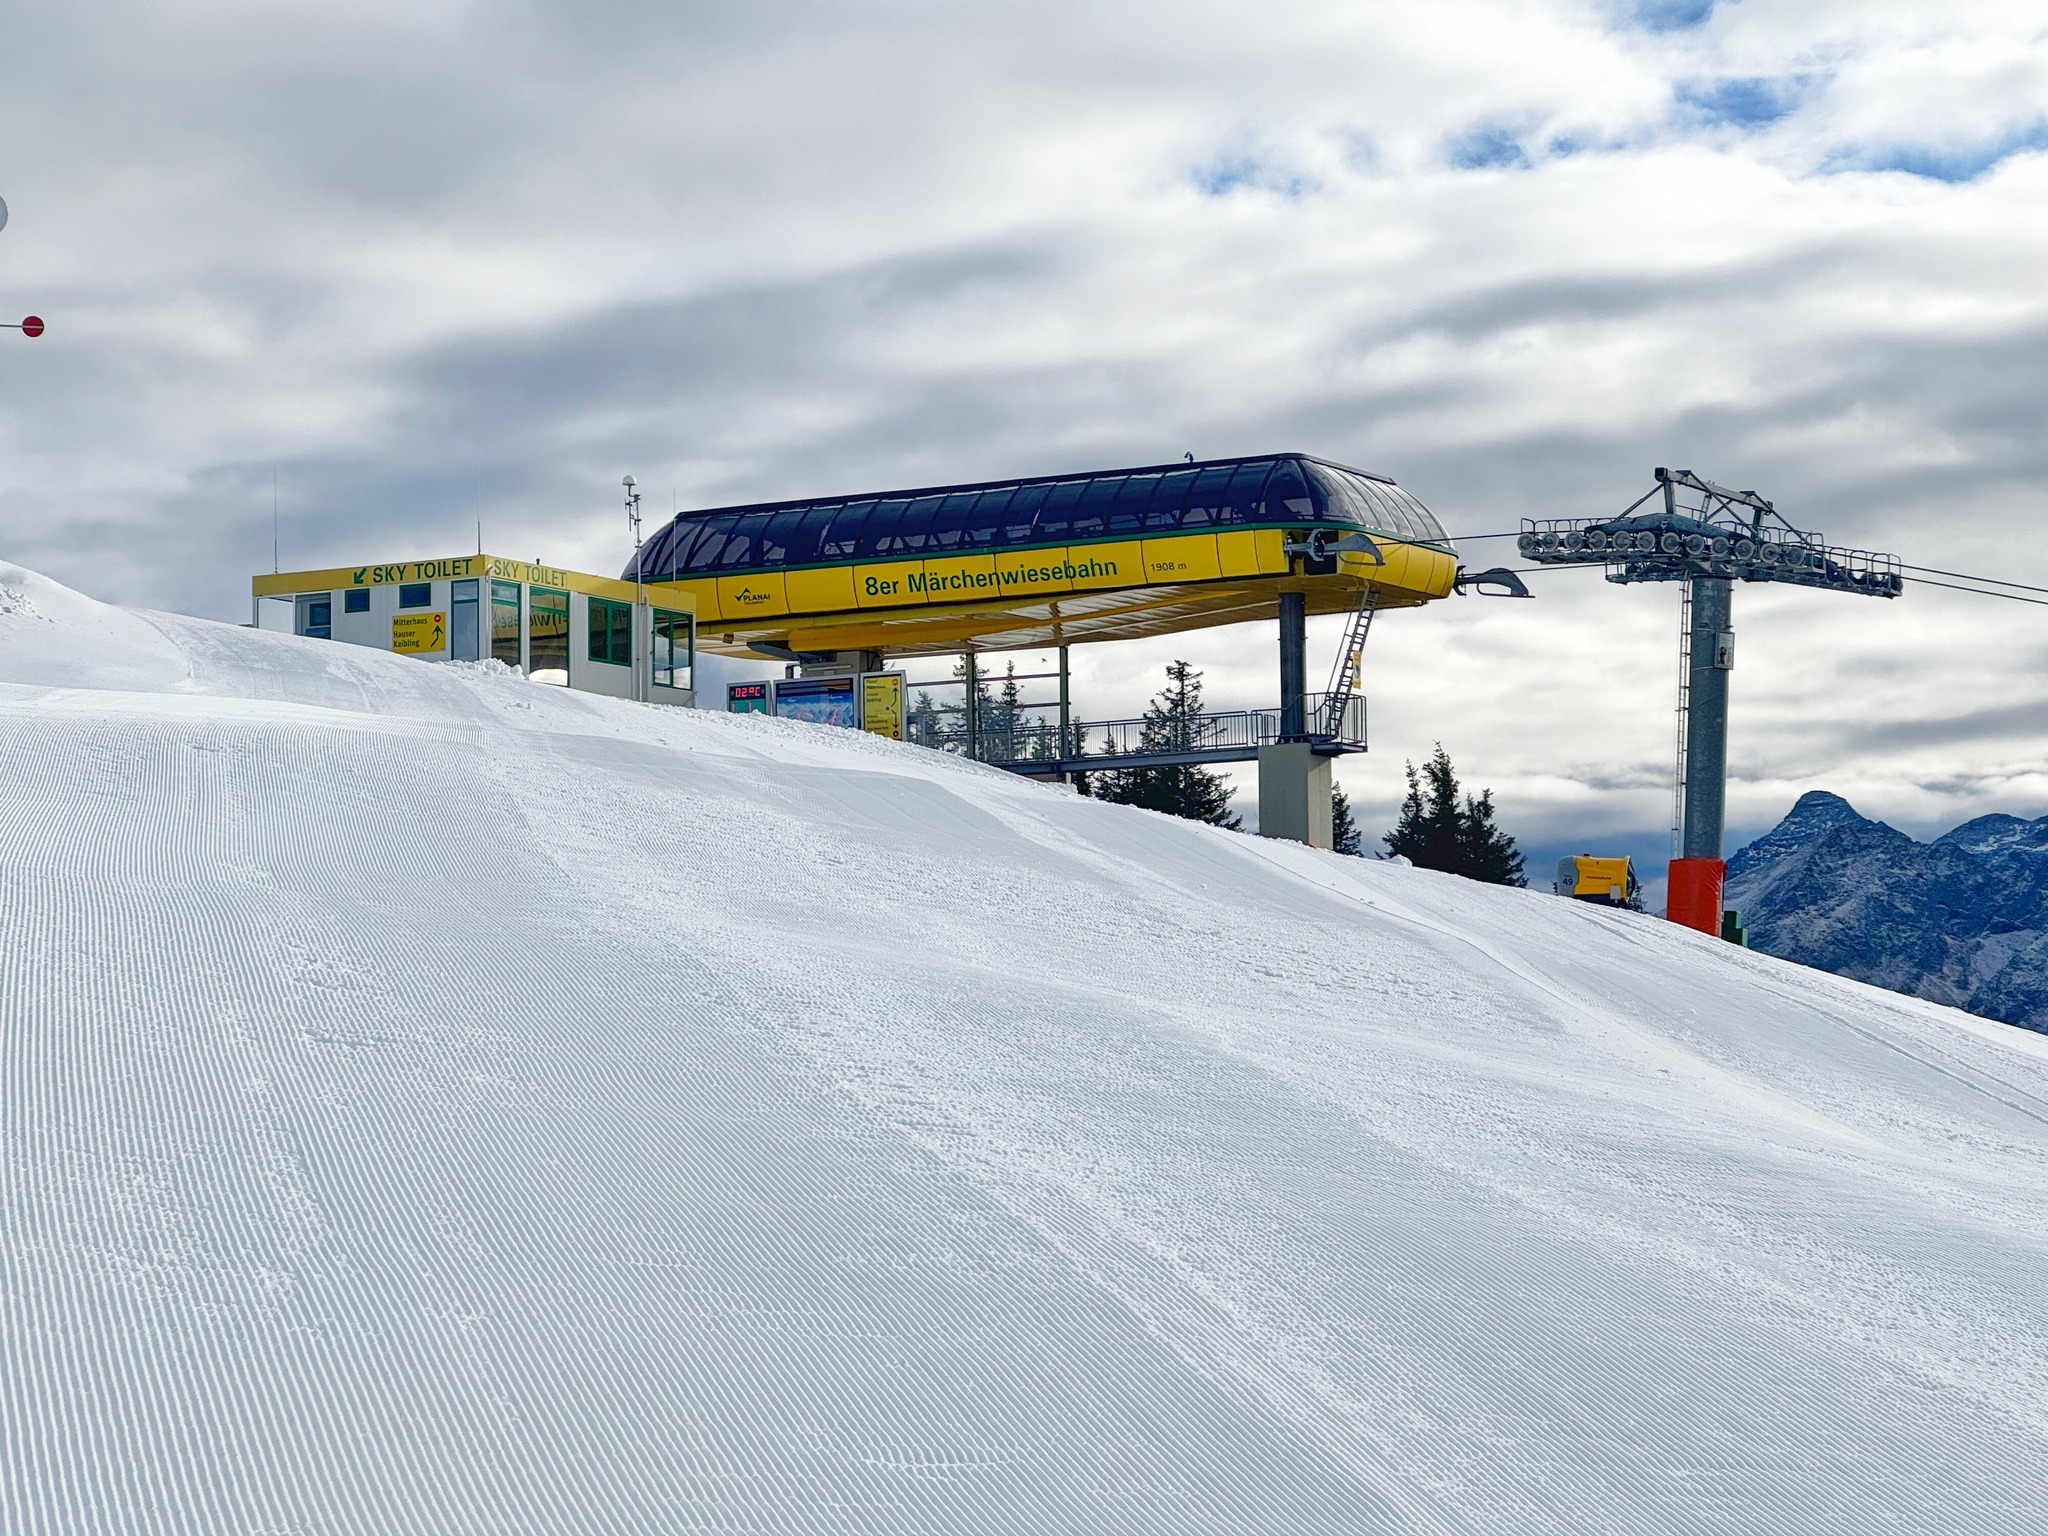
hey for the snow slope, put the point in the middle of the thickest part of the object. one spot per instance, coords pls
(438, 1103)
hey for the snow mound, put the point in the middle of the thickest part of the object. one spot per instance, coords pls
(437, 1103)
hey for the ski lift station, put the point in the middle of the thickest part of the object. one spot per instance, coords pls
(842, 588)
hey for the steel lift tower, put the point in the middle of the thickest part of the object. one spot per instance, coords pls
(1709, 537)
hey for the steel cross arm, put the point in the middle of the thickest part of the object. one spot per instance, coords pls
(1691, 481)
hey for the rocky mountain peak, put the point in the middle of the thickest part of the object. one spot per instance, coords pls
(1960, 920)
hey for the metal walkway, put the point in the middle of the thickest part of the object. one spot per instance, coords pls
(1037, 749)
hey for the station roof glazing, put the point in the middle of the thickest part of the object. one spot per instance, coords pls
(1055, 509)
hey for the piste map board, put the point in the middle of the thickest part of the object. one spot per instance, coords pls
(820, 700)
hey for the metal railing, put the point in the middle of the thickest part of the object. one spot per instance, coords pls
(1044, 746)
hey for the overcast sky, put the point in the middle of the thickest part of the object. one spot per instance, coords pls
(430, 263)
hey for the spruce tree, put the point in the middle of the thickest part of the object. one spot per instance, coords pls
(1486, 852)
(1437, 831)
(1174, 723)
(924, 721)
(1344, 834)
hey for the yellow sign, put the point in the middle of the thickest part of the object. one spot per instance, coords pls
(414, 570)
(531, 574)
(418, 634)
(881, 704)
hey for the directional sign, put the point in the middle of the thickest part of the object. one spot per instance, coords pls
(419, 634)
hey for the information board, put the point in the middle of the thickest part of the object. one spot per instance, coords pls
(417, 634)
(747, 698)
(881, 704)
(820, 700)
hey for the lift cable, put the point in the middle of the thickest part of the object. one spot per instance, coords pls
(2011, 597)
(1966, 576)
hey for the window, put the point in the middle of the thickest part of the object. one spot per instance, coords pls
(1206, 498)
(1170, 502)
(739, 544)
(879, 535)
(803, 533)
(1057, 514)
(611, 632)
(547, 632)
(1091, 513)
(1019, 518)
(1243, 499)
(465, 642)
(1287, 494)
(982, 526)
(416, 594)
(316, 615)
(843, 538)
(505, 622)
(698, 548)
(675, 645)
(913, 532)
(356, 600)
(1127, 514)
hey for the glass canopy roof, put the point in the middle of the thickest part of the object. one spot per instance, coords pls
(1285, 489)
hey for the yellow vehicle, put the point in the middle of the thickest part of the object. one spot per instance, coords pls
(1054, 560)
(1610, 882)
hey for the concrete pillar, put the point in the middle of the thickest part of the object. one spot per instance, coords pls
(1294, 793)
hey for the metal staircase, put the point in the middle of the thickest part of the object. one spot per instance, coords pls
(1346, 673)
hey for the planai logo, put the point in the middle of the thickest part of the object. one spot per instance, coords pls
(747, 596)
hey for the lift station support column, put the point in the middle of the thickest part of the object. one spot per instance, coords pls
(1698, 873)
(1294, 781)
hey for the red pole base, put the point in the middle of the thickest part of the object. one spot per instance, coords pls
(1694, 894)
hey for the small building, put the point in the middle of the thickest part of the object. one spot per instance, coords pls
(558, 626)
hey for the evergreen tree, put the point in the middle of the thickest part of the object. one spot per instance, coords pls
(1489, 854)
(1173, 723)
(984, 709)
(1344, 834)
(1076, 745)
(1002, 736)
(1437, 831)
(924, 721)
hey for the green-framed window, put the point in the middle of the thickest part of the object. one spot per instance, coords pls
(505, 622)
(547, 630)
(675, 649)
(611, 632)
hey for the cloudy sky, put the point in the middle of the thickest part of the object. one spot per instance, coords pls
(421, 264)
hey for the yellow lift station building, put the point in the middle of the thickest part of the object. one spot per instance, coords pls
(559, 626)
(1057, 560)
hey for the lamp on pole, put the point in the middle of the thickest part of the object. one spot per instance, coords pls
(640, 689)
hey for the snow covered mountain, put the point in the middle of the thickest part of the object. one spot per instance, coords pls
(437, 1103)
(1962, 920)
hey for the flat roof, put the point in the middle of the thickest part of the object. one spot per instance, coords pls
(464, 567)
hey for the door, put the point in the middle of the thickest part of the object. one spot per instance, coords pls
(465, 629)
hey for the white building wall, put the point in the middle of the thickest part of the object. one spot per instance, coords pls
(372, 628)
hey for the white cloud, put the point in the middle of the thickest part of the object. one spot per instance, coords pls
(441, 262)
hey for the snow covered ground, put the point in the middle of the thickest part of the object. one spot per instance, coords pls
(438, 1103)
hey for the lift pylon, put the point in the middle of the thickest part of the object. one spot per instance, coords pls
(1709, 537)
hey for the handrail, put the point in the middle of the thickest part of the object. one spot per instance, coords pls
(1239, 732)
